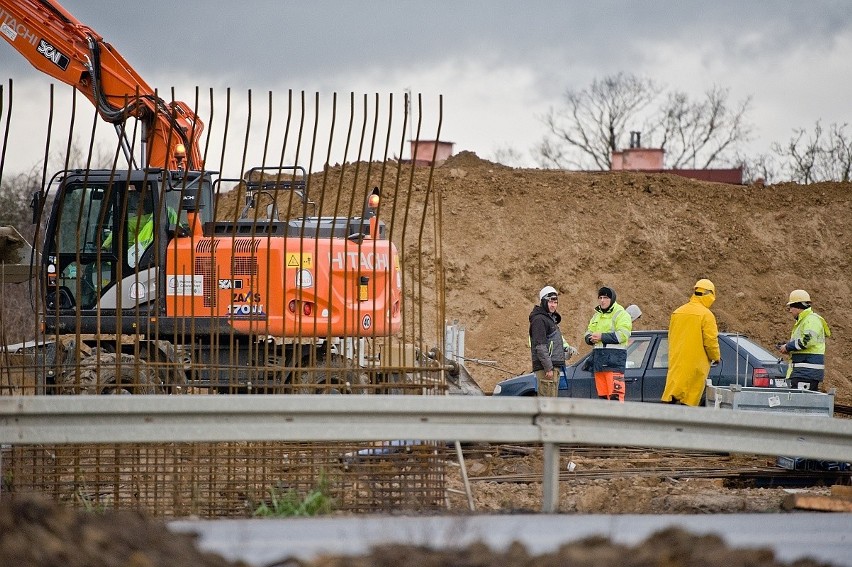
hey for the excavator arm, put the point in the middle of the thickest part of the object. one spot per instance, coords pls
(57, 44)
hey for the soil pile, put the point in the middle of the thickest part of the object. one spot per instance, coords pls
(35, 532)
(650, 237)
(38, 533)
(668, 547)
(509, 232)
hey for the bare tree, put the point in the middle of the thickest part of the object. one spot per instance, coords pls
(593, 121)
(801, 154)
(839, 154)
(15, 194)
(698, 134)
(694, 134)
(819, 155)
(811, 157)
(761, 169)
(507, 155)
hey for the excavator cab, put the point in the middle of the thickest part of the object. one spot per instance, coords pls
(107, 239)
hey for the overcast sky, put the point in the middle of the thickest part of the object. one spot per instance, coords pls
(499, 65)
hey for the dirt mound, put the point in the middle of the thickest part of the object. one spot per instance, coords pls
(668, 547)
(650, 237)
(508, 232)
(40, 533)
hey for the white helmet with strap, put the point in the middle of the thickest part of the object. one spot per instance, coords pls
(547, 291)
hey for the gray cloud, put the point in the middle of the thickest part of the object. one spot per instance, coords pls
(484, 54)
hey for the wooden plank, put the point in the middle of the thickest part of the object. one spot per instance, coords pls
(842, 491)
(818, 503)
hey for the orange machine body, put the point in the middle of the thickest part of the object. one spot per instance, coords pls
(287, 286)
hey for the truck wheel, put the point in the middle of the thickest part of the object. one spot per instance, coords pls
(111, 373)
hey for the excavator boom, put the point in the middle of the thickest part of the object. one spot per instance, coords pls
(57, 44)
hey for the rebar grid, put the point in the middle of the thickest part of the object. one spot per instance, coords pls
(284, 277)
(231, 479)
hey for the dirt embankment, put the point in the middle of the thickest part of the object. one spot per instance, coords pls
(38, 533)
(650, 237)
(508, 232)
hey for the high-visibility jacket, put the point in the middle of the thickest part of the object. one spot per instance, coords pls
(693, 345)
(140, 234)
(615, 326)
(807, 346)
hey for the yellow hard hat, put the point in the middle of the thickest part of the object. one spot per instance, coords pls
(705, 285)
(799, 296)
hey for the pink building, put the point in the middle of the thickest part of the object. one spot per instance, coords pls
(422, 151)
(637, 158)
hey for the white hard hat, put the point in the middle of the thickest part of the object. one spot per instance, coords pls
(634, 311)
(547, 290)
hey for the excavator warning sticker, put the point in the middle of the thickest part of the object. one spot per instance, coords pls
(295, 260)
(367, 322)
(185, 285)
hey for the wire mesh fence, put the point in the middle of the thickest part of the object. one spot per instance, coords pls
(232, 479)
(296, 275)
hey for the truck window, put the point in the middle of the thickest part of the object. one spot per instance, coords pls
(661, 359)
(637, 348)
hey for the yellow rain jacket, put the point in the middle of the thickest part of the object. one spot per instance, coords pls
(693, 344)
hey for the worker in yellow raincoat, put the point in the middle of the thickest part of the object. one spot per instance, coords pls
(693, 346)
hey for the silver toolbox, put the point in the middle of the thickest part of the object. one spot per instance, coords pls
(799, 402)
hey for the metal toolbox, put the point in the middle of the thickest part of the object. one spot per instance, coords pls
(799, 402)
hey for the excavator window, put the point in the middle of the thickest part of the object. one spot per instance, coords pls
(84, 225)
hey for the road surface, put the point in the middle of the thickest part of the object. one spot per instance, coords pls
(259, 542)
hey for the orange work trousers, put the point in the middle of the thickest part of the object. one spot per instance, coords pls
(610, 385)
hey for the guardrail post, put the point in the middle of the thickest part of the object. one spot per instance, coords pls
(550, 480)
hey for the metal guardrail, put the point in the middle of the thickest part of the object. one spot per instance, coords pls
(82, 419)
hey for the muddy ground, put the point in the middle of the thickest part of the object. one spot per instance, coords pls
(39, 533)
(618, 481)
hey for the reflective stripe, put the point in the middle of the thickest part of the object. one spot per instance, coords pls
(611, 346)
(808, 365)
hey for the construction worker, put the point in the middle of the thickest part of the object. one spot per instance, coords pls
(547, 346)
(693, 346)
(608, 332)
(140, 227)
(806, 346)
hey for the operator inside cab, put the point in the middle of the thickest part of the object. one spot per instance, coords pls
(140, 224)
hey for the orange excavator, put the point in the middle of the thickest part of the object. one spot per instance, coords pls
(142, 290)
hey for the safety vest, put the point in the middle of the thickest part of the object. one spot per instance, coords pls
(616, 320)
(612, 356)
(807, 346)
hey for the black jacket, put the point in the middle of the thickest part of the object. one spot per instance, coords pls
(545, 339)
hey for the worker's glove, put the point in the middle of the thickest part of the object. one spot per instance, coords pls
(588, 339)
(570, 351)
